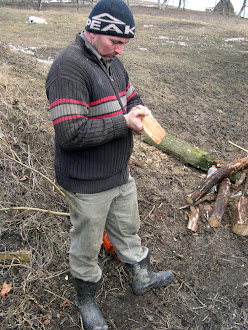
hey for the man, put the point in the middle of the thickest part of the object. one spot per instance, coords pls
(95, 111)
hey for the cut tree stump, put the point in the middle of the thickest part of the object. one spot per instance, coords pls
(183, 151)
(223, 195)
(215, 178)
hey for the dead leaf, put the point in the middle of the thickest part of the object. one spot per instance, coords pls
(5, 289)
(23, 178)
(65, 304)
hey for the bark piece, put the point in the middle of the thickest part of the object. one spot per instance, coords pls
(223, 195)
(215, 178)
(183, 151)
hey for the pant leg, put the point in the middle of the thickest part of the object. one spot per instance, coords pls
(88, 213)
(123, 223)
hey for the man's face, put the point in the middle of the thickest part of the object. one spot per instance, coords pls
(108, 46)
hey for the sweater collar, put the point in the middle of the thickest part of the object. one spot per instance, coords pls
(94, 51)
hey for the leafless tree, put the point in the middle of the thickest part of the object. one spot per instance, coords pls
(39, 5)
(242, 10)
(181, 2)
(164, 4)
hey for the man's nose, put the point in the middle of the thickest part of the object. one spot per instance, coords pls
(119, 49)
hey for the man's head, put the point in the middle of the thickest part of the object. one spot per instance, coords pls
(111, 17)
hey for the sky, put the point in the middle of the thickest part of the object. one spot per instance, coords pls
(203, 4)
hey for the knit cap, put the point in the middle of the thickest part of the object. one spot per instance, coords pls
(111, 17)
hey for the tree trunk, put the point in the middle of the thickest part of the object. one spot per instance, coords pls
(215, 178)
(242, 8)
(183, 151)
(224, 192)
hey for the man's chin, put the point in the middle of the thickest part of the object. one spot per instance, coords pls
(108, 58)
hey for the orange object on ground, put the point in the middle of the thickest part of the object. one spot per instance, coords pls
(108, 246)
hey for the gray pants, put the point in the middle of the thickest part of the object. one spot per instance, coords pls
(116, 211)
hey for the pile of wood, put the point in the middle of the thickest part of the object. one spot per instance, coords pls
(219, 191)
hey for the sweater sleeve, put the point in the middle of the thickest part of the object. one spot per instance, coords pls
(74, 129)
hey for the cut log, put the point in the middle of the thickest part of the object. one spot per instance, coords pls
(224, 192)
(215, 178)
(239, 210)
(193, 218)
(183, 151)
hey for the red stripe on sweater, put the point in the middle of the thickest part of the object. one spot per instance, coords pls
(106, 99)
(108, 115)
(59, 120)
(60, 101)
(128, 86)
(131, 96)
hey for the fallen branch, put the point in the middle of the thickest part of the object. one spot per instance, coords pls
(183, 151)
(35, 209)
(22, 255)
(236, 145)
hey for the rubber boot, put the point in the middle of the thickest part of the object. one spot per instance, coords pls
(86, 304)
(144, 278)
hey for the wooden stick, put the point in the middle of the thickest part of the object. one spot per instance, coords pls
(236, 145)
(35, 209)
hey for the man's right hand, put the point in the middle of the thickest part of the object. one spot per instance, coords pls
(134, 119)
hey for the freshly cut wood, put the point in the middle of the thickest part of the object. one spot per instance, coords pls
(21, 255)
(223, 195)
(239, 212)
(183, 151)
(193, 218)
(152, 128)
(215, 178)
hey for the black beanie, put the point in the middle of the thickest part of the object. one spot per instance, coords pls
(111, 17)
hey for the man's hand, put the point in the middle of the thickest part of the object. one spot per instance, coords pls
(134, 118)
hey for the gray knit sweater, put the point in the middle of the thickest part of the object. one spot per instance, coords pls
(87, 101)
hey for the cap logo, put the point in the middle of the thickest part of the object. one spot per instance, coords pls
(99, 23)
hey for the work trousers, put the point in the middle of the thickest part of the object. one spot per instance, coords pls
(116, 211)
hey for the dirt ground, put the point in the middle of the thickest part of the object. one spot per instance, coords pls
(210, 290)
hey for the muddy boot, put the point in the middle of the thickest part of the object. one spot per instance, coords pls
(144, 278)
(85, 302)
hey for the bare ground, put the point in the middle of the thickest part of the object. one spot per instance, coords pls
(202, 99)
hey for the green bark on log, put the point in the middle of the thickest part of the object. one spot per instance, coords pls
(183, 151)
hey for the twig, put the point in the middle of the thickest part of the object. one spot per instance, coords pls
(14, 265)
(236, 145)
(56, 295)
(35, 209)
(36, 171)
